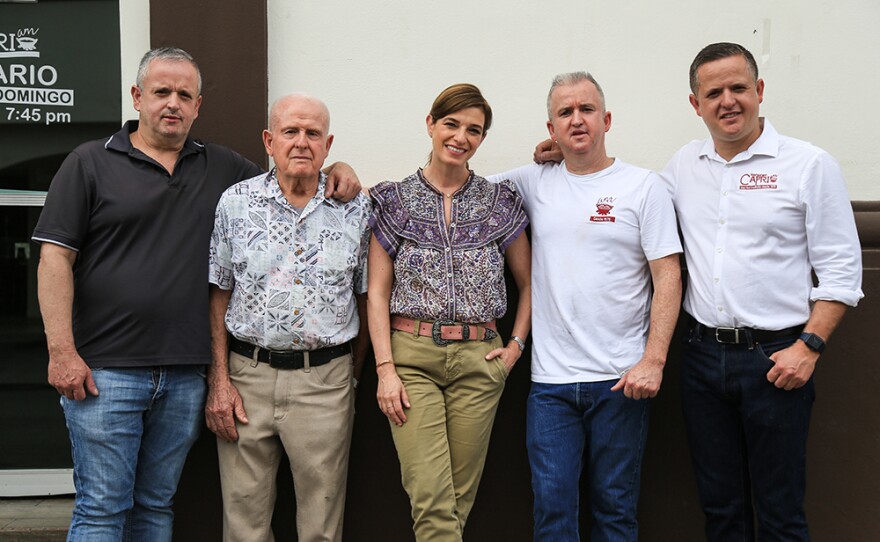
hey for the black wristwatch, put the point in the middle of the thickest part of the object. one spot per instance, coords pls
(813, 342)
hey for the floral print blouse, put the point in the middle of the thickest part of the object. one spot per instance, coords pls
(454, 272)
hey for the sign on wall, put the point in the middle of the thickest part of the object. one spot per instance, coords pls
(59, 62)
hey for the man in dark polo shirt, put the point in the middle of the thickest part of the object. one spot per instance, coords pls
(123, 291)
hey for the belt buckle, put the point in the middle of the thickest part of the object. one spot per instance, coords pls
(729, 332)
(436, 332)
(282, 363)
(490, 334)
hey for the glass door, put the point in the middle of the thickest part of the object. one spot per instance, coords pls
(36, 450)
(60, 86)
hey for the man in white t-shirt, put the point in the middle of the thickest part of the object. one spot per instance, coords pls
(602, 232)
(759, 212)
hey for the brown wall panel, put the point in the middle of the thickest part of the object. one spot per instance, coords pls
(228, 40)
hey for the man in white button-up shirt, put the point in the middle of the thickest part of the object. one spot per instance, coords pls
(759, 213)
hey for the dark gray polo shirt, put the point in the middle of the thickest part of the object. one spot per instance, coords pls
(141, 275)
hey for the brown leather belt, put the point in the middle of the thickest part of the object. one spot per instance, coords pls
(446, 331)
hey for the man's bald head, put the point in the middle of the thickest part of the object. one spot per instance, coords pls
(294, 100)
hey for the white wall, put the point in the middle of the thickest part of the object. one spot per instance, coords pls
(379, 64)
(134, 24)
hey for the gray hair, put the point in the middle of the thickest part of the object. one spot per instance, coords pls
(572, 78)
(165, 53)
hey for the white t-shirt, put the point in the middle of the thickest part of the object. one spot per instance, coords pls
(756, 227)
(592, 238)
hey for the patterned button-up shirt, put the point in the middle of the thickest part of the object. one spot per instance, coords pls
(454, 272)
(293, 274)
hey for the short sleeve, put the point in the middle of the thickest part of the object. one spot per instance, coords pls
(521, 178)
(659, 228)
(389, 217)
(65, 217)
(360, 273)
(220, 252)
(509, 214)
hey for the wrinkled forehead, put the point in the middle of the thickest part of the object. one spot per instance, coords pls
(300, 110)
(580, 93)
(161, 68)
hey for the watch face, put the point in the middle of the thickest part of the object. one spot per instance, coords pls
(813, 342)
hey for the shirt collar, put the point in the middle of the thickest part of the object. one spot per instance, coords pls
(767, 144)
(271, 190)
(121, 141)
(611, 168)
(427, 183)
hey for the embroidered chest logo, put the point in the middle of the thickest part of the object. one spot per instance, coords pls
(758, 181)
(603, 210)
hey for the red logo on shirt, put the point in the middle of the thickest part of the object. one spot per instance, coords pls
(758, 181)
(603, 210)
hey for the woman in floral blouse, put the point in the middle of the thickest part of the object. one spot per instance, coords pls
(436, 286)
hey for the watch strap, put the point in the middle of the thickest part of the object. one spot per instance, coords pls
(813, 342)
(519, 342)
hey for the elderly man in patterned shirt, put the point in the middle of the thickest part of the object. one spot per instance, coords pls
(288, 278)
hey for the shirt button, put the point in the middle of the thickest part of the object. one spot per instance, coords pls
(724, 192)
(718, 250)
(448, 274)
(446, 249)
(296, 311)
(717, 280)
(720, 308)
(300, 251)
(452, 224)
(297, 281)
(296, 341)
(722, 222)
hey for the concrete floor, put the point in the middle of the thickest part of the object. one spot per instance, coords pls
(35, 519)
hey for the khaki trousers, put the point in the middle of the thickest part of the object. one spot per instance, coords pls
(306, 413)
(442, 447)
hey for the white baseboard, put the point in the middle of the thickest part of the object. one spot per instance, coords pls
(36, 482)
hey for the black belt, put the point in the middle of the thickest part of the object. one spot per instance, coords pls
(289, 360)
(744, 335)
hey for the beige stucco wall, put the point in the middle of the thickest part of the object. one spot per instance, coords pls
(379, 64)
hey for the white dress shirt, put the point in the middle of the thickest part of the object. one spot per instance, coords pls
(757, 227)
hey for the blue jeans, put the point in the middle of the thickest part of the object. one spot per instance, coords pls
(129, 445)
(569, 424)
(748, 441)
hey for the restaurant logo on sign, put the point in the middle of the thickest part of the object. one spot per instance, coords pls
(20, 44)
(26, 83)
